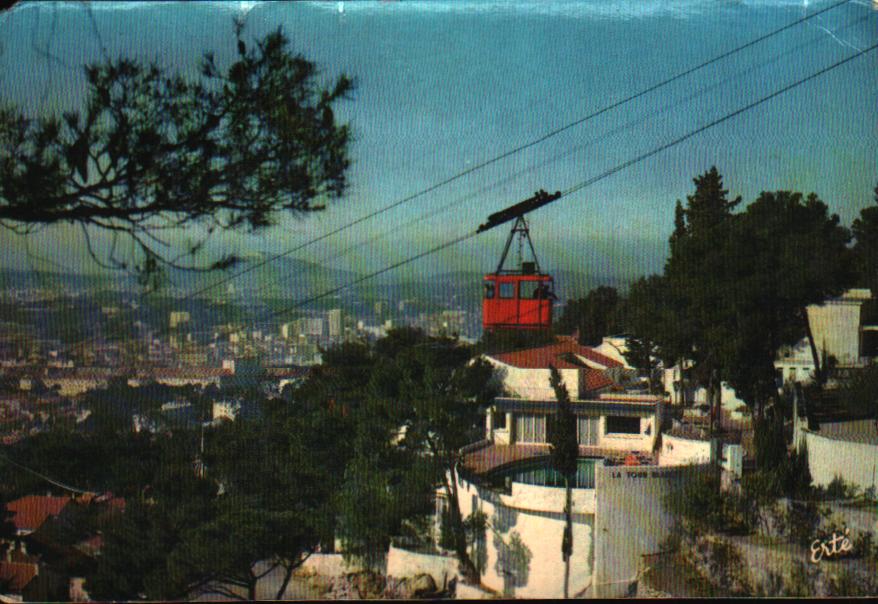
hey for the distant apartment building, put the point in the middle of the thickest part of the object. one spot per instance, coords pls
(225, 411)
(77, 380)
(335, 323)
(178, 317)
(181, 376)
(452, 322)
(306, 326)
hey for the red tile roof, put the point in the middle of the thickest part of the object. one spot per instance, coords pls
(32, 511)
(595, 379)
(18, 556)
(17, 574)
(556, 354)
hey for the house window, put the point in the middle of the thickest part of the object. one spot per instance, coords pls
(623, 425)
(530, 428)
(499, 420)
(792, 374)
(507, 290)
(587, 430)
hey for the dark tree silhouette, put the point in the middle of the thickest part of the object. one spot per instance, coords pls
(565, 451)
(865, 232)
(153, 154)
(593, 317)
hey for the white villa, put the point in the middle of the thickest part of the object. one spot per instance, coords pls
(620, 490)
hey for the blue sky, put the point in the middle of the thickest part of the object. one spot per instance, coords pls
(445, 85)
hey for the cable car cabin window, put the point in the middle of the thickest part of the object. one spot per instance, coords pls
(489, 290)
(507, 290)
(528, 290)
(623, 425)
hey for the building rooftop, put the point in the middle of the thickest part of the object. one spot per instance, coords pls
(33, 510)
(287, 372)
(186, 372)
(564, 354)
(864, 431)
(17, 575)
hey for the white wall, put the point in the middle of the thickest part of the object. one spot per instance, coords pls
(629, 442)
(615, 441)
(533, 384)
(856, 463)
(835, 325)
(631, 520)
(541, 533)
(677, 451)
(614, 347)
(402, 563)
(329, 565)
(538, 498)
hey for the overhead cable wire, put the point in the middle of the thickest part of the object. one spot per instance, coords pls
(614, 131)
(48, 479)
(518, 149)
(716, 122)
(464, 198)
(588, 182)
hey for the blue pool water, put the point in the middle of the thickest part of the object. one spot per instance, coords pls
(540, 473)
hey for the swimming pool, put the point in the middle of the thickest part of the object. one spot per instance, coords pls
(540, 473)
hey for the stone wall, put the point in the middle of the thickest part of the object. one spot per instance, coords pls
(402, 563)
(329, 565)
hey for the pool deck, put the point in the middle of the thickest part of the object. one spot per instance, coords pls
(492, 457)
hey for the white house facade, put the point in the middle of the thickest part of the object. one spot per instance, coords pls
(619, 491)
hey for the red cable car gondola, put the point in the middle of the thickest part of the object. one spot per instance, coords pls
(519, 298)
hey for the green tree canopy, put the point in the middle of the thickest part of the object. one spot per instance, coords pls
(865, 232)
(423, 403)
(153, 154)
(736, 286)
(785, 252)
(565, 452)
(596, 315)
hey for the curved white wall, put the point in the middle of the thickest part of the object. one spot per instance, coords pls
(533, 515)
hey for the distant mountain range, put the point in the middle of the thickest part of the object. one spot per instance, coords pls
(289, 278)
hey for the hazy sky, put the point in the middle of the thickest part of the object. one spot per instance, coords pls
(445, 85)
